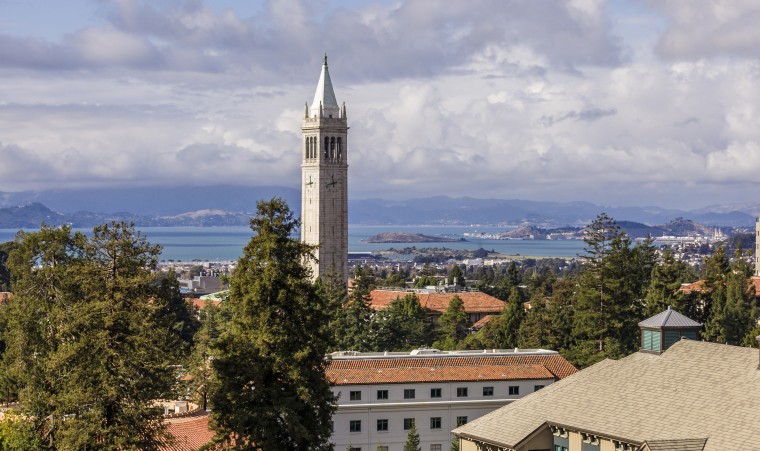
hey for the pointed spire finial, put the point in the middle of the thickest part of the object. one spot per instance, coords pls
(325, 58)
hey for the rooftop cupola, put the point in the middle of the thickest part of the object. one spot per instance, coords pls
(324, 97)
(661, 331)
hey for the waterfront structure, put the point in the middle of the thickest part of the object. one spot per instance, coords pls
(324, 179)
(380, 395)
(477, 304)
(691, 396)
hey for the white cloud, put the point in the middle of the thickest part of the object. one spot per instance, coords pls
(510, 99)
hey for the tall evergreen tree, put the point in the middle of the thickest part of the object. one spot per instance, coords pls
(456, 276)
(609, 298)
(273, 392)
(534, 329)
(665, 287)
(503, 330)
(733, 311)
(401, 326)
(412, 440)
(350, 324)
(88, 340)
(452, 325)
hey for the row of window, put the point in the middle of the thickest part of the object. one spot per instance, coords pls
(462, 392)
(382, 423)
(433, 447)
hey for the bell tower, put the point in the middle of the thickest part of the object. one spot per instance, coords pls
(324, 173)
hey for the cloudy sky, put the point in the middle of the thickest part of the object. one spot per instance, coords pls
(620, 102)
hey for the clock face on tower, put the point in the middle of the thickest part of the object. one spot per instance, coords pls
(332, 182)
(309, 183)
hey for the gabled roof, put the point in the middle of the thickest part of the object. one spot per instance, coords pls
(481, 322)
(669, 319)
(474, 301)
(693, 390)
(324, 95)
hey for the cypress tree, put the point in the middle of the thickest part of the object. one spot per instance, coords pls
(273, 393)
(412, 440)
(452, 325)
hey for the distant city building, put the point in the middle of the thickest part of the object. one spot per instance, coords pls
(757, 247)
(675, 394)
(477, 305)
(324, 173)
(382, 394)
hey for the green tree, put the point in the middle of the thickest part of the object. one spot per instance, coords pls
(454, 444)
(5, 275)
(456, 276)
(350, 324)
(733, 312)
(609, 297)
(452, 325)
(401, 326)
(273, 392)
(412, 440)
(665, 287)
(87, 337)
(17, 433)
(203, 381)
(534, 329)
(503, 330)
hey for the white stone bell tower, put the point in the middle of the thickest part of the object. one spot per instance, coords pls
(324, 171)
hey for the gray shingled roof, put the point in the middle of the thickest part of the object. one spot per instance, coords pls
(693, 390)
(697, 444)
(669, 319)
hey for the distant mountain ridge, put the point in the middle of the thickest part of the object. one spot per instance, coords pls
(233, 205)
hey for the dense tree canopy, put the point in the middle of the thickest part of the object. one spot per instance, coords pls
(273, 393)
(91, 336)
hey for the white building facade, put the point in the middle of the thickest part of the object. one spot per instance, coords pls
(382, 394)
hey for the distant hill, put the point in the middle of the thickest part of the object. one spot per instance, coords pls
(233, 205)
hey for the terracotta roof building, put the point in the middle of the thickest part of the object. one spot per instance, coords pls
(190, 432)
(381, 394)
(692, 396)
(476, 304)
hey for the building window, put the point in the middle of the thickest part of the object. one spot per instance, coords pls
(382, 394)
(408, 423)
(487, 391)
(355, 426)
(461, 421)
(435, 422)
(435, 392)
(461, 392)
(408, 393)
(538, 387)
(514, 390)
(382, 424)
(435, 447)
(355, 395)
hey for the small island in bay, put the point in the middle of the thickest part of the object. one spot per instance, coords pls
(401, 237)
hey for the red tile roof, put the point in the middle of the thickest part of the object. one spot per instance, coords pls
(190, 432)
(474, 301)
(482, 322)
(438, 369)
(699, 285)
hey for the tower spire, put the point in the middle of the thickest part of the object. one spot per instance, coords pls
(325, 95)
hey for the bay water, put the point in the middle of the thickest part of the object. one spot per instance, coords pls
(226, 243)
